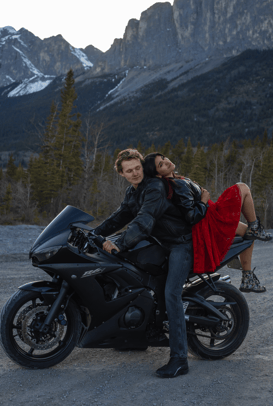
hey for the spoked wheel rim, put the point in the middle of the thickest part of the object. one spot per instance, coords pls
(25, 336)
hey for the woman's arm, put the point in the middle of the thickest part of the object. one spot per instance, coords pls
(194, 210)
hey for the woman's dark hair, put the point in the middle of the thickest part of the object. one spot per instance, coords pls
(150, 170)
(149, 164)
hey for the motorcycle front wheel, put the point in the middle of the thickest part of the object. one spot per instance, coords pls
(20, 336)
(221, 341)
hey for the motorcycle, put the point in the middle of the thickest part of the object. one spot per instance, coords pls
(100, 300)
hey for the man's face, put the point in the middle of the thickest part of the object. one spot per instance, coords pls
(132, 170)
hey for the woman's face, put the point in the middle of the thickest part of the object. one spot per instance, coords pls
(164, 166)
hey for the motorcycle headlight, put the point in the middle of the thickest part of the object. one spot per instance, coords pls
(45, 254)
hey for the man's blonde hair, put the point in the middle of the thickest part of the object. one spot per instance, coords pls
(127, 155)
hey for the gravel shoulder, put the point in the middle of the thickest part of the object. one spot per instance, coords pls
(108, 377)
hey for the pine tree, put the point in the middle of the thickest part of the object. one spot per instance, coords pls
(198, 172)
(11, 167)
(151, 149)
(188, 160)
(67, 145)
(59, 165)
(179, 149)
(166, 149)
(140, 148)
(20, 174)
(177, 155)
(264, 143)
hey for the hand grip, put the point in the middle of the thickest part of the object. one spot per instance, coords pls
(99, 240)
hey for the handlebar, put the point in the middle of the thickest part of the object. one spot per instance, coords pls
(99, 241)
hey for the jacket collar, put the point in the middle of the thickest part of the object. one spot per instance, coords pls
(140, 187)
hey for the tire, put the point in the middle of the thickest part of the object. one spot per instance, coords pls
(219, 342)
(24, 345)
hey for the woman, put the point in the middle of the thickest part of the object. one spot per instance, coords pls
(213, 230)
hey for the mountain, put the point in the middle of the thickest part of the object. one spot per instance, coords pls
(199, 69)
(208, 102)
(34, 63)
(189, 31)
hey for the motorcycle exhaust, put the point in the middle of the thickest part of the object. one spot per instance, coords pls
(225, 279)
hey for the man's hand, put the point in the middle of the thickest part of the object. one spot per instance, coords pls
(205, 196)
(109, 246)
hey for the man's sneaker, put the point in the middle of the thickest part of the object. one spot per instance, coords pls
(250, 283)
(175, 367)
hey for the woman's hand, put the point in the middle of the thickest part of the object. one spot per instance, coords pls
(205, 196)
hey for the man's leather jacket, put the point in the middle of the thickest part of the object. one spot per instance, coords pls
(150, 213)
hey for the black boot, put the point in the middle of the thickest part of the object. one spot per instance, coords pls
(175, 367)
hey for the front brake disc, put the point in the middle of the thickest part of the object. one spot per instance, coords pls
(29, 336)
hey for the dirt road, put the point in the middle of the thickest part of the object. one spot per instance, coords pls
(108, 377)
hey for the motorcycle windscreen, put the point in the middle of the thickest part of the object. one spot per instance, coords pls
(62, 222)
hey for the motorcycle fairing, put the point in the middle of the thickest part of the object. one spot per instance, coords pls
(90, 291)
(119, 336)
(59, 227)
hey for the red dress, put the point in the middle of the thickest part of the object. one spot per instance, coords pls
(213, 235)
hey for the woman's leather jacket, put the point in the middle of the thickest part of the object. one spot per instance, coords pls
(149, 212)
(187, 197)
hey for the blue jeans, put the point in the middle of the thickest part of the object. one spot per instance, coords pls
(180, 263)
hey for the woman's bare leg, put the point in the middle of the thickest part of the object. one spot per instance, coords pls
(255, 231)
(249, 282)
(247, 206)
(245, 257)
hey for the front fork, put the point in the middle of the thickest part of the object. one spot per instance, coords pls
(55, 308)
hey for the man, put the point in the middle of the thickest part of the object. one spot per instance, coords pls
(149, 212)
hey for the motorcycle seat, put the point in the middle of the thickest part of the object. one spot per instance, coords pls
(237, 239)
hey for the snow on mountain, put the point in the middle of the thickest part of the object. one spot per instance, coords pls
(34, 63)
(35, 84)
(9, 78)
(9, 29)
(27, 62)
(82, 57)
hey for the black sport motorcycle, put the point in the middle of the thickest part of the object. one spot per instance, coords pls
(101, 300)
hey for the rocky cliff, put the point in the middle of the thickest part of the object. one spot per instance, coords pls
(34, 63)
(188, 31)
(191, 30)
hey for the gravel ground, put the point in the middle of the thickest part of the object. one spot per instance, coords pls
(108, 377)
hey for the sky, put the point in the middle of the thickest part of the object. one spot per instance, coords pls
(80, 22)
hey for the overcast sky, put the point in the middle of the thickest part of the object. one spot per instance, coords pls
(80, 22)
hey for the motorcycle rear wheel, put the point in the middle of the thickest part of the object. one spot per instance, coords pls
(23, 343)
(219, 342)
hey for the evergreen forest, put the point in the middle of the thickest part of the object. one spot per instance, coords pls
(75, 166)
